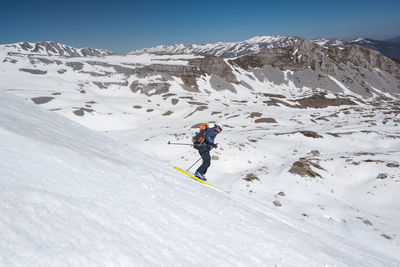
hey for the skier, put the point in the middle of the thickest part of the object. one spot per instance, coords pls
(204, 150)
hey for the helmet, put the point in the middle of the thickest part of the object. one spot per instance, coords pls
(217, 124)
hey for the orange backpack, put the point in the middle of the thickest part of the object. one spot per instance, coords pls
(200, 136)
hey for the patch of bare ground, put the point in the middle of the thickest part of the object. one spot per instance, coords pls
(233, 116)
(169, 112)
(302, 167)
(387, 236)
(196, 103)
(186, 97)
(382, 176)
(81, 111)
(274, 95)
(250, 177)
(311, 134)
(216, 112)
(265, 120)
(277, 203)
(305, 133)
(276, 102)
(255, 114)
(320, 101)
(393, 165)
(215, 157)
(339, 134)
(239, 101)
(174, 101)
(168, 95)
(365, 221)
(42, 99)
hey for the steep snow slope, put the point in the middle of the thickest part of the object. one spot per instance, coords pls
(73, 197)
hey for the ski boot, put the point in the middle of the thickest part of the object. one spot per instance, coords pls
(200, 176)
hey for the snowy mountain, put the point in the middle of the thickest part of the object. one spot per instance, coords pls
(306, 146)
(55, 49)
(261, 43)
(225, 50)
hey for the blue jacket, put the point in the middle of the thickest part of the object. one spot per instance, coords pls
(210, 136)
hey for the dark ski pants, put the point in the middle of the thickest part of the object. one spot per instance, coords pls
(205, 155)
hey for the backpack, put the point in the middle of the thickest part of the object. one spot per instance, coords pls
(200, 136)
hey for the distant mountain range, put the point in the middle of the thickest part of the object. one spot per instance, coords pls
(394, 40)
(57, 49)
(259, 43)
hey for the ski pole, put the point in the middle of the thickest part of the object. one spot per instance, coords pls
(183, 144)
(193, 164)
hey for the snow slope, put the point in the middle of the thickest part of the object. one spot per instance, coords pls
(72, 197)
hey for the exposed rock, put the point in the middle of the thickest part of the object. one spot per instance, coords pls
(255, 114)
(42, 99)
(320, 101)
(393, 165)
(311, 134)
(34, 71)
(382, 176)
(81, 111)
(358, 68)
(215, 157)
(75, 65)
(277, 203)
(265, 120)
(61, 71)
(150, 88)
(169, 112)
(197, 67)
(302, 168)
(250, 177)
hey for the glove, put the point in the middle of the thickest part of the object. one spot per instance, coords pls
(214, 145)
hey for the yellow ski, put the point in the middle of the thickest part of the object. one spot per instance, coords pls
(201, 181)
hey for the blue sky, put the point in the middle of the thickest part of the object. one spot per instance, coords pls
(123, 26)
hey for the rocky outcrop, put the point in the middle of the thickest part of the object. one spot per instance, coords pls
(196, 68)
(359, 69)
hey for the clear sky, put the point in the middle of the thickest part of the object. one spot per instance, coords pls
(123, 26)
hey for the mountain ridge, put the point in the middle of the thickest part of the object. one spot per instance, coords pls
(259, 43)
(54, 48)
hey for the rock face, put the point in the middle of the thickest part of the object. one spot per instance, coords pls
(359, 68)
(387, 48)
(196, 68)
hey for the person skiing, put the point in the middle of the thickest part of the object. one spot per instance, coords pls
(204, 150)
